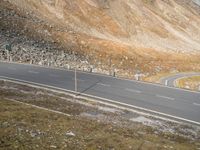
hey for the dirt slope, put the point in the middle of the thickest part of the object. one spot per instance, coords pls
(141, 34)
(159, 24)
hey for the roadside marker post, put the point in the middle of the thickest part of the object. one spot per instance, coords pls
(75, 75)
(8, 49)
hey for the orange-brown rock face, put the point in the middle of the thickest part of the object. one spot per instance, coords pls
(157, 32)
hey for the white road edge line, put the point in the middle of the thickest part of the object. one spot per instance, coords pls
(34, 72)
(132, 90)
(107, 85)
(165, 97)
(196, 104)
(103, 75)
(38, 85)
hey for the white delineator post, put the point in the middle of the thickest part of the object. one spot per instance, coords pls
(137, 77)
(75, 79)
(166, 82)
(75, 75)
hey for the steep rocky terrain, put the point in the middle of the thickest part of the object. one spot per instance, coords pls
(147, 35)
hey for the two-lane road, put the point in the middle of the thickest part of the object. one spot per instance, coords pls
(171, 80)
(169, 101)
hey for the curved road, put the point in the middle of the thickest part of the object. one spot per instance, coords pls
(170, 80)
(165, 101)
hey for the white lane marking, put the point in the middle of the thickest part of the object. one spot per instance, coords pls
(196, 104)
(34, 72)
(165, 97)
(62, 90)
(107, 85)
(54, 75)
(132, 90)
(166, 82)
(103, 75)
(12, 68)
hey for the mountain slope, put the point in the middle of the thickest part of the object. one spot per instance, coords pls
(159, 24)
(141, 34)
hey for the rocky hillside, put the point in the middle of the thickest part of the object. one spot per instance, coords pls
(158, 24)
(149, 35)
(197, 2)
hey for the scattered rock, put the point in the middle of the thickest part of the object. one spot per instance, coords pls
(53, 146)
(33, 134)
(70, 134)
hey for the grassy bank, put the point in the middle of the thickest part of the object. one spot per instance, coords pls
(81, 125)
(189, 83)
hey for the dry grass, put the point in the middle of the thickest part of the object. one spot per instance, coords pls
(24, 127)
(28, 127)
(189, 83)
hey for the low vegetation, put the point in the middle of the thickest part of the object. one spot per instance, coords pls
(190, 83)
(33, 118)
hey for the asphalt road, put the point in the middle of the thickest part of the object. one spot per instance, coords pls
(170, 101)
(170, 80)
